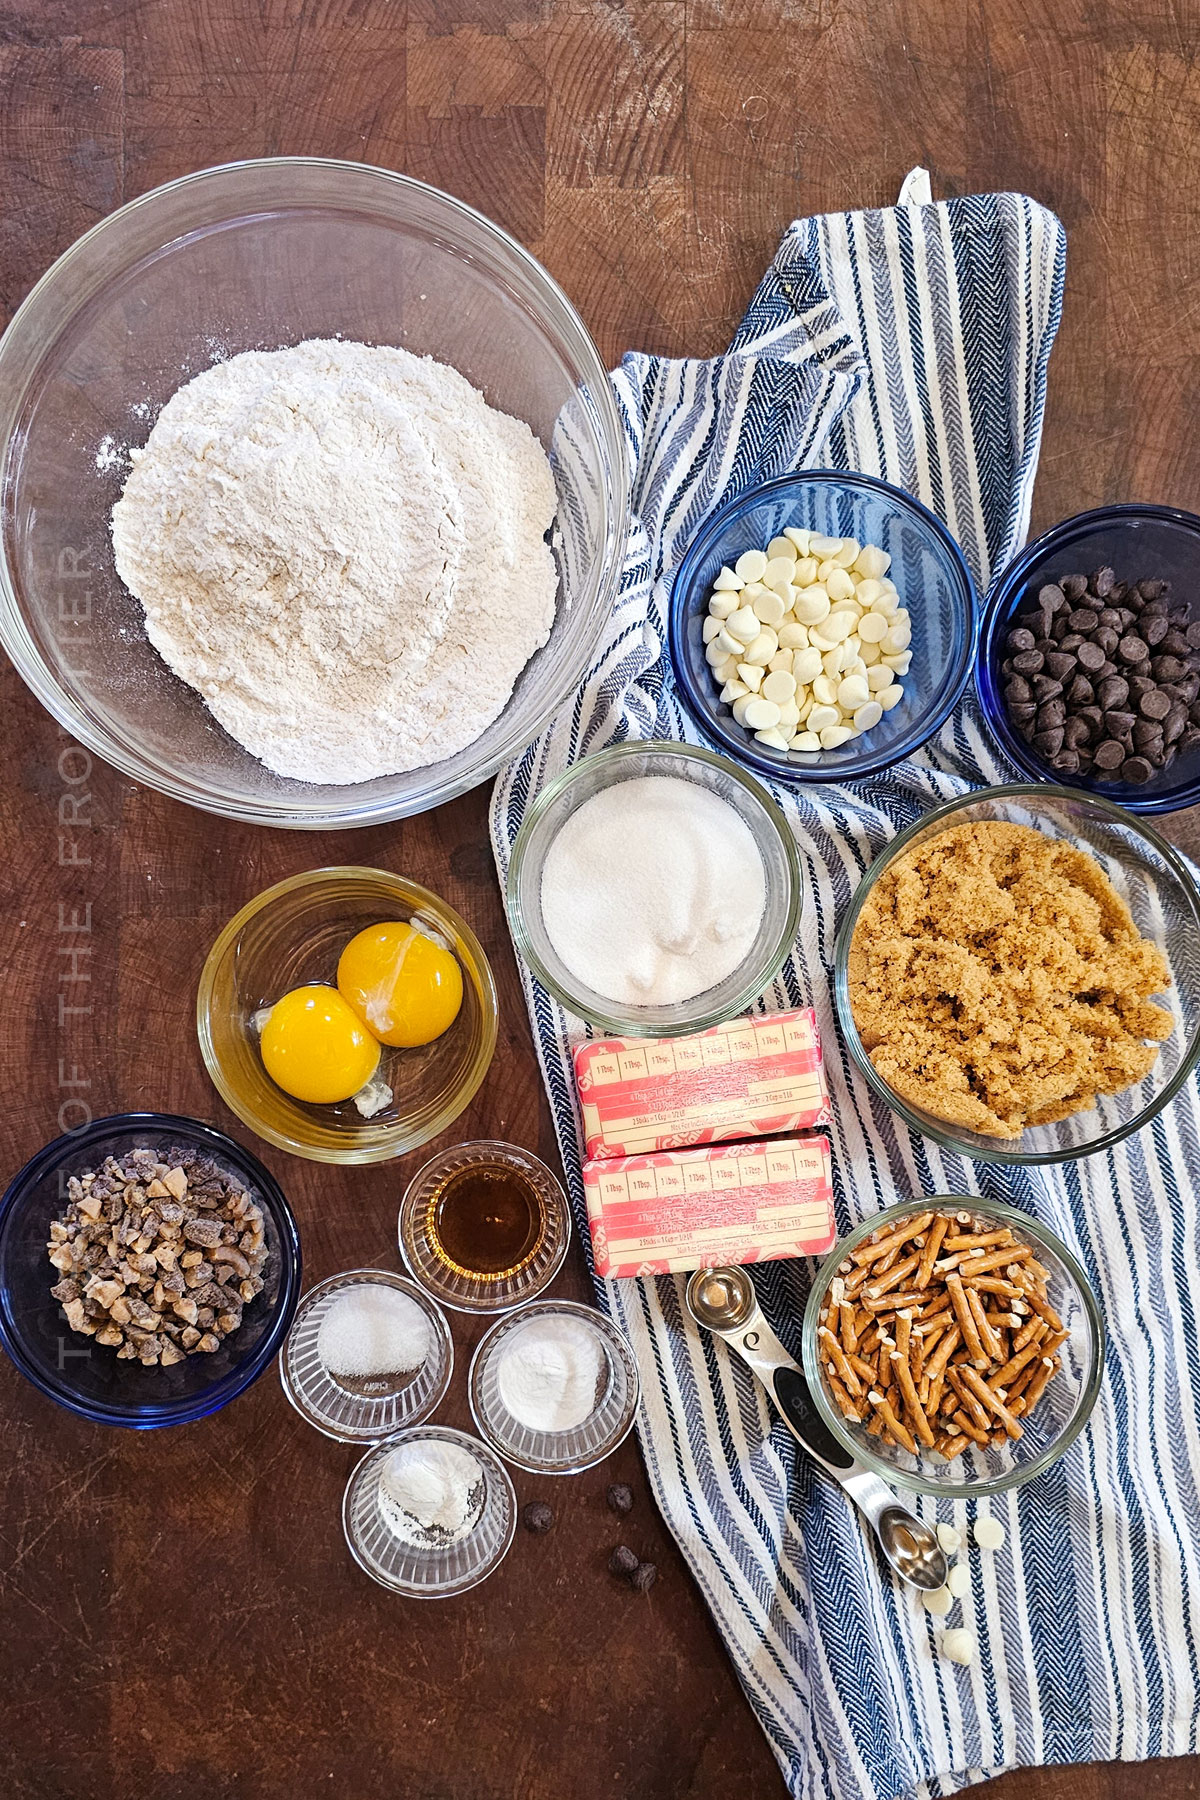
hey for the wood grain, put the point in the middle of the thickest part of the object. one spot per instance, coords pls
(181, 1614)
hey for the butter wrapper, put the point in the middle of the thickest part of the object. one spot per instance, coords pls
(752, 1077)
(696, 1209)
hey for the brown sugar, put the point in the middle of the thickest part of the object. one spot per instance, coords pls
(997, 980)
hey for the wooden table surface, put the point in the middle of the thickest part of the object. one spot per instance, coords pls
(180, 1612)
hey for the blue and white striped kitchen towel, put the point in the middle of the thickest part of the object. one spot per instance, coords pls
(910, 343)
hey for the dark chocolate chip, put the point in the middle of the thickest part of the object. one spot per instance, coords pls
(1192, 634)
(1060, 664)
(1051, 597)
(1067, 762)
(1111, 619)
(1175, 644)
(1151, 589)
(1048, 742)
(1137, 769)
(619, 1497)
(1084, 619)
(1154, 628)
(1101, 583)
(1046, 688)
(1029, 662)
(1019, 639)
(1175, 723)
(1117, 723)
(1113, 691)
(1166, 668)
(1109, 754)
(643, 1578)
(1107, 639)
(1139, 685)
(537, 1517)
(1093, 715)
(1018, 689)
(1051, 713)
(1148, 736)
(1022, 713)
(1076, 733)
(623, 1561)
(1154, 705)
(1091, 657)
(1081, 692)
(1189, 738)
(1073, 586)
(1071, 641)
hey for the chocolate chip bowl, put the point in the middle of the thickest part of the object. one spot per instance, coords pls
(1088, 670)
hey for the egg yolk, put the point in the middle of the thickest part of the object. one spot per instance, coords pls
(405, 988)
(314, 1047)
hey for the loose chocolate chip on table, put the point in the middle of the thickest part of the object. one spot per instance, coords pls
(1137, 769)
(537, 1517)
(1154, 705)
(1131, 650)
(619, 1497)
(1113, 691)
(1091, 657)
(1109, 754)
(643, 1578)
(623, 1561)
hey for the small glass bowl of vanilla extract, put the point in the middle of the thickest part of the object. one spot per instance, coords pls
(484, 1227)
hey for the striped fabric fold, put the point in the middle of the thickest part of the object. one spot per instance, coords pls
(909, 343)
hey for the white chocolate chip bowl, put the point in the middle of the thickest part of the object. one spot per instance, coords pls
(265, 256)
(822, 626)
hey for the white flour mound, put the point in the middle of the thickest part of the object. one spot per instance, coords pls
(341, 547)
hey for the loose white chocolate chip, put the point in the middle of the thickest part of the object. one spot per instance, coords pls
(988, 1533)
(948, 1536)
(959, 1580)
(938, 1602)
(958, 1646)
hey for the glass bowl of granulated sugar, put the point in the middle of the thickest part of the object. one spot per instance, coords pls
(316, 493)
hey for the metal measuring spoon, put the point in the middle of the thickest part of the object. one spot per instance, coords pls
(724, 1302)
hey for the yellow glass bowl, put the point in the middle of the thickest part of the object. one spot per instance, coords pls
(293, 933)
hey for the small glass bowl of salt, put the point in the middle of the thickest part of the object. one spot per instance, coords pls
(430, 1512)
(554, 1387)
(368, 1354)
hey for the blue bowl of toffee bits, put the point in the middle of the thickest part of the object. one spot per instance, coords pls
(1088, 670)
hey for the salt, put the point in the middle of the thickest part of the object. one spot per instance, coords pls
(653, 891)
(548, 1373)
(373, 1330)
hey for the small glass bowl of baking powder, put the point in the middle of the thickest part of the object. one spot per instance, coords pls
(554, 1387)
(430, 1512)
(368, 1354)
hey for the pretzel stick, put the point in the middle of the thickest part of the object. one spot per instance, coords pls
(1033, 1393)
(969, 1428)
(987, 1396)
(837, 1358)
(966, 1322)
(892, 1279)
(980, 1243)
(847, 1315)
(908, 1228)
(1016, 1363)
(987, 1337)
(886, 1412)
(912, 1404)
(846, 1405)
(929, 1254)
(937, 1363)
(996, 1259)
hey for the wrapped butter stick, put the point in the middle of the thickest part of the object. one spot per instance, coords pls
(750, 1077)
(696, 1209)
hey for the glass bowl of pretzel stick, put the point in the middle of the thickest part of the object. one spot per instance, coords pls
(954, 1345)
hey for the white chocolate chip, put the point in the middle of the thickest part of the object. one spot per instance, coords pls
(823, 546)
(762, 649)
(847, 552)
(806, 571)
(793, 636)
(778, 686)
(958, 1646)
(723, 606)
(890, 696)
(868, 715)
(769, 608)
(728, 582)
(959, 1580)
(797, 535)
(781, 546)
(988, 1533)
(710, 629)
(834, 736)
(779, 568)
(751, 674)
(879, 676)
(750, 565)
(772, 736)
(789, 715)
(811, 605)
(805, 740)
(948, 1536)
(822, 717)
(739, 708)
(824, 691)
(761, 715)
(733, 690)
(852, 692)
(782, 659)
(896, 638)
(938, 1601)
(715, 653)
(743, 625)
(872, 628)
(872, 561)
(806, 664)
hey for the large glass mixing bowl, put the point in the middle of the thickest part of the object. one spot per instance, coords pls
(258, 255)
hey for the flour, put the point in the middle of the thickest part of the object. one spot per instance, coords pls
(549, 1373)
(341, 547)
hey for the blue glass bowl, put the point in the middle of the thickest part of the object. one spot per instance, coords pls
(1137, 542)
(927, 568)
(86, 1377)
